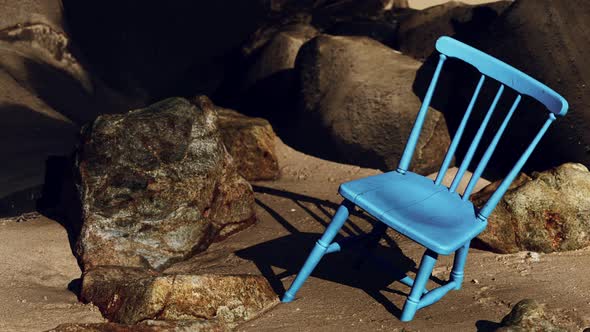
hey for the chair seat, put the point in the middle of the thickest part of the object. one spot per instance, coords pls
(417, 208)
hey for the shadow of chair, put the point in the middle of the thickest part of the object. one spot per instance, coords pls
(387, 265)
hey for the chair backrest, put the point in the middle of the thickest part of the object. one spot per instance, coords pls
(508, 76)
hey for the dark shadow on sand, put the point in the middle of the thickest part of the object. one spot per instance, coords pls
(373, 273)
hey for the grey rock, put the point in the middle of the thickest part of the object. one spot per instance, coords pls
(418, 31)
(547, 40)
(46, 92)
(359, 94)
(279, 53)
(156, 186)
(528, 315)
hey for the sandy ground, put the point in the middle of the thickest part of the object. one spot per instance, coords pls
(37, 266)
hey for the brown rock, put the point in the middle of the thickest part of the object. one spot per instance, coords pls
(528, 315)
(157, 185)
(129, 296)
(146, 326)
(358, 92)
(418, 32)
(250, 141)
(546, 212)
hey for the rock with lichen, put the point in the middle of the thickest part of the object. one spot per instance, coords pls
(131, 296)
(145, 326)
(549, 211)
(250, 142)
(156, 186)
(528, 315)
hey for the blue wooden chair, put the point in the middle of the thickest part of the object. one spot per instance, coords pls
(424, 210)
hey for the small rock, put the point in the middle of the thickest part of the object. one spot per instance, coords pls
(533, 257)
(475, 281)
(528, 315)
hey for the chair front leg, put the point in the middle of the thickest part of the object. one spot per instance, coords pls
(319, 249)
(459, 265)
(424, 272)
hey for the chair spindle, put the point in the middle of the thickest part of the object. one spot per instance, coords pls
(489, 151)
(484, 213)
(406, 158)
(457, 138)
(469, 155)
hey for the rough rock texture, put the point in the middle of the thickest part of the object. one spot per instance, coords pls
(528, 315)
(157, 185)
(548, 40)
(418, 32)
(547, 212)
(130, 296)
(146, 326)
(366, 107)
(250, 142)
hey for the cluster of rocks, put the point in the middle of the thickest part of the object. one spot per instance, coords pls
(161, 183)
(157, 186)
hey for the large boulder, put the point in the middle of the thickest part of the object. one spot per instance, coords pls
(130, 296)
(163, 49)
(546, 212)
(31, 132)
(546, 39)
(418, 31)
(156, 186)
(36, 49)
(250, 142)
(279, 53)
(46, 92)
(268, 87)
(357, 93)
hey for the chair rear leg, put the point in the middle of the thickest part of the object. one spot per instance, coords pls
(319, 249)
(424, 272)
(459, 265)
